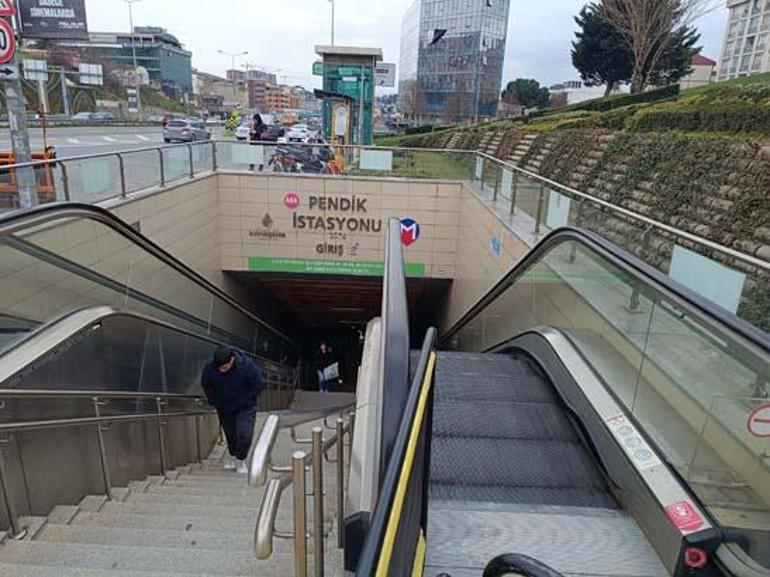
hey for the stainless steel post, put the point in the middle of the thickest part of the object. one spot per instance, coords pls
(162, 168)
(65, 180)
(352, 425)
(540, 201)
(497, 183)
(340, 483)
(318, 501)
(161, 437)
(214, 159)
(122, 169)
(192, 162)
(103, 451)
(197, 432)
(514, 192)
(13, 517)
(300, 514)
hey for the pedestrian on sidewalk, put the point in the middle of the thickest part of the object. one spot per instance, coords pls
(232, 383)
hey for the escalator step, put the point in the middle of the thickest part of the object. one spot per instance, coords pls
(510, 420)
(566, 497)
(513, 462)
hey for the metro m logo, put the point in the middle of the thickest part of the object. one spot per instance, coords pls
(410, 231)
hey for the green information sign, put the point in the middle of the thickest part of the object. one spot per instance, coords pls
(340, 267)
(318, 68)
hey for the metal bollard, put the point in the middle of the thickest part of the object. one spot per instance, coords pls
(300, 514)
(103, 451)
(340, 483)
(318, 501)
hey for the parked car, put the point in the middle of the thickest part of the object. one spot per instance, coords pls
(272, 133)
(243, 130)
(83, 116)
(104, 116)
(299, 133)
(185, 130)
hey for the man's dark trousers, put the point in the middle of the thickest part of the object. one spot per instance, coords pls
(239, 429)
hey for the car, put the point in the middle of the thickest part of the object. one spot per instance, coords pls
(104, 116)
(299, 133)
(272, 133)
(185, 130)
(83, 116)
(243, 131)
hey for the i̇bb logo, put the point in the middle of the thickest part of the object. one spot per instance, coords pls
(291, 200)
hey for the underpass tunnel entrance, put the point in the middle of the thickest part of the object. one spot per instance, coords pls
(336, 309)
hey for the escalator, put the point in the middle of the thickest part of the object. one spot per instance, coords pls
(587, 412)
(98, 322)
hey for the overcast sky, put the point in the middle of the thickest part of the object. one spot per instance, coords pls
(281, 34)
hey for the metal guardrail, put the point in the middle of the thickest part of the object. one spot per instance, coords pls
(618, 210)
(99, 400)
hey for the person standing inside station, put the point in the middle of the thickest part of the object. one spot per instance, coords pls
(327, 367)
(256, 129)
(232, 383)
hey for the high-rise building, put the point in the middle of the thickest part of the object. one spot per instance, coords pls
(452, 55)
(745, 48)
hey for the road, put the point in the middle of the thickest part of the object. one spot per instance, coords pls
(82, 141)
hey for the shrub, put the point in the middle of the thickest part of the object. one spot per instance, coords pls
(747, 118)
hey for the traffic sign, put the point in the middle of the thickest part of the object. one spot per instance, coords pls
(35, 70)
(7, 42)
(7, 8)
(759, 422)
(385, 75)
(9, 72)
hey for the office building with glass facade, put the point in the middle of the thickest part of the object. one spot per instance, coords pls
(452, 55)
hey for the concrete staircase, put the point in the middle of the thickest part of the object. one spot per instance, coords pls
(197, 520)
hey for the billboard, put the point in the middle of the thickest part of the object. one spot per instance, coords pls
(63, 19)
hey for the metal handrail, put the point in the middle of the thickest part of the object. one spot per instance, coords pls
(265, 531)
(514, 563)
(262, 448)
(84, 421)
(69, 394)
(748, 259)
(17, 221)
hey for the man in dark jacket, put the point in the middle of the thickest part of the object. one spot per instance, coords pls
(232, 383)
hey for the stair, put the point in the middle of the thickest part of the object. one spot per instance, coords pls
(197, 520)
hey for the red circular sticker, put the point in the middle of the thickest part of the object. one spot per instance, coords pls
(291, 200)
(759, 422)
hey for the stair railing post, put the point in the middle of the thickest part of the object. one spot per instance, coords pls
(103, 450)
(514, 192)
(197, 431)
(18, 532)
(340, 483)
(300, 514)
(540, 206)
(318, 501)
(161, 436)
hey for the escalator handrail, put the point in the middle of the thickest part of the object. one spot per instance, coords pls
(514, 563)
(394, 347)
(25, 352)
(710, 313)
(20, 220)
(368, 561)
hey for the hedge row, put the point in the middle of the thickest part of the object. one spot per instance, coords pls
(424, 129)
(723, 118)
(618, 101)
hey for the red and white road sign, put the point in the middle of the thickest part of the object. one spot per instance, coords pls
(7, 41)
(759, 422)
(7, 8)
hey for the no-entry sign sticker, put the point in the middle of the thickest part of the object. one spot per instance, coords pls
(759, 422)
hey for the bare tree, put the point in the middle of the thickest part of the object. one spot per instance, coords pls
(648, 27)
(411, 99)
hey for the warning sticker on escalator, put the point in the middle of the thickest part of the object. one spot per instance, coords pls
(628, 437)
(685, 516)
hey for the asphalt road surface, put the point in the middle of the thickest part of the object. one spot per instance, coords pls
(82, 141)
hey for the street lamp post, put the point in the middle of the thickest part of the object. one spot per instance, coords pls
(332, 1)
(233, 56)
(133, 51)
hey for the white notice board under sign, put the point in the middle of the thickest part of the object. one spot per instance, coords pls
(376, 160)
(385, 75)
(506, 184)
(718, 283)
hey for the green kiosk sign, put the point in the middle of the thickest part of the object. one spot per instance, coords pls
(336, 267)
